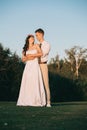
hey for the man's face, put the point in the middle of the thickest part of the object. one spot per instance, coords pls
(39, 36)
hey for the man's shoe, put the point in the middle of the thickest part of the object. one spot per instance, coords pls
(48, 105)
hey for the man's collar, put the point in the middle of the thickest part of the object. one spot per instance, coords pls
(42, 42)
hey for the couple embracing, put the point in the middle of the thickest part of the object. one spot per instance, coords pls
(34, 90)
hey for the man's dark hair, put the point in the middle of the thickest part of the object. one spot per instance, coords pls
(40, 31)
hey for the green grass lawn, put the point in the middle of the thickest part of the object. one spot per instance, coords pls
(61, 116)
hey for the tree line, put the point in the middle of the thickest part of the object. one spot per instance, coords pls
(67, 77)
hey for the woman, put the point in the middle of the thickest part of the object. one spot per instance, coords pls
(32, 91)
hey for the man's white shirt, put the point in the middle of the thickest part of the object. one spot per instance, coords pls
(45, 47)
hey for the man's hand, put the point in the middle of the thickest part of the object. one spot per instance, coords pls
(27, 57)
(30, 57)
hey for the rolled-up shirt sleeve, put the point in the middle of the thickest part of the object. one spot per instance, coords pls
(46, 50)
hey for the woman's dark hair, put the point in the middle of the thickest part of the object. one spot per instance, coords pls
(40, 31)
(26, 46)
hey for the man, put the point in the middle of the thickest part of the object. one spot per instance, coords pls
(45, 47)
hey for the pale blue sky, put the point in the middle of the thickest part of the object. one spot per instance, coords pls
(64, 23)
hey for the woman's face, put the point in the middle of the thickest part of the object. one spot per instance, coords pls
(31, 40)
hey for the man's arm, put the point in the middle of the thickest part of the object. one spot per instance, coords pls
(37, 55)
(46, 50)
(25, 58)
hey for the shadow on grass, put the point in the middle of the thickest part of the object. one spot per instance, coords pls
(69, 103)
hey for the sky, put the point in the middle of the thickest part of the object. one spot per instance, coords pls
(64, 23)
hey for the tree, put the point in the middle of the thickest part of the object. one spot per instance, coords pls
(57, 61)
(11, 68)
(75, 57)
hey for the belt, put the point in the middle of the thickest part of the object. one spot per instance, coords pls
(43, 62)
